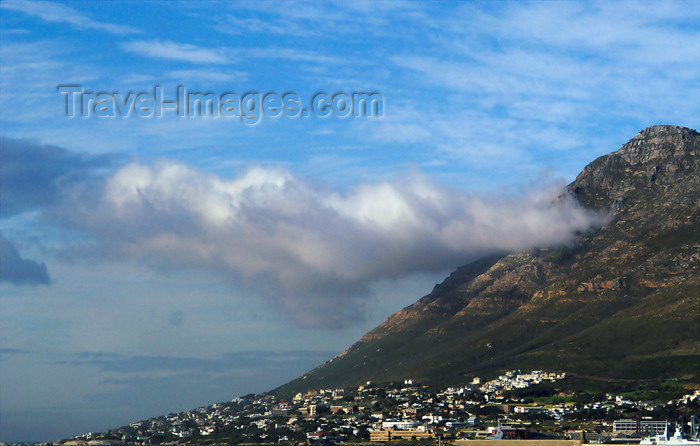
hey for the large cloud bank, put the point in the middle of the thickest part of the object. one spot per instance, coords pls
(311, 251)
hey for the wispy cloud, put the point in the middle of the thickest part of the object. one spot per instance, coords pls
(292, 54)
(11, 351)
(207, 75)
(233, 361)
(29, 74)
(659, 33)
(59, 13)
(513, 82)
(184, 52)
(319, 19)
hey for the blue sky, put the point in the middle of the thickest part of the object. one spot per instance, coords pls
(152, 265)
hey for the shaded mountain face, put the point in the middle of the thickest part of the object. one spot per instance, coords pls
(622, 302)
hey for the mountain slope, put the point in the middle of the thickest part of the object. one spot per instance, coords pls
(621, 302)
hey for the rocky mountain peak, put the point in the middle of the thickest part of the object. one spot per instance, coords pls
(660, 142)
(657, 157)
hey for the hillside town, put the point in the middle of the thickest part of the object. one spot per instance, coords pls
(508, 407)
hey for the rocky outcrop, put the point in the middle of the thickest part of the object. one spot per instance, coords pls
(657, 156)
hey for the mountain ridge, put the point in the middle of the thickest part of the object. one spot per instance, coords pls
(587, 308)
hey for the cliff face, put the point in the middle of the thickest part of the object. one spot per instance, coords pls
(621, 302)
(657, 159)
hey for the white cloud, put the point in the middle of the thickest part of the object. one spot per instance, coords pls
(319, 18)
(207, 76)
(58, 13)
(311, 251)
(532, 81)
(28, 80)
(292, 54)
(184, 52)
(643, 32)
